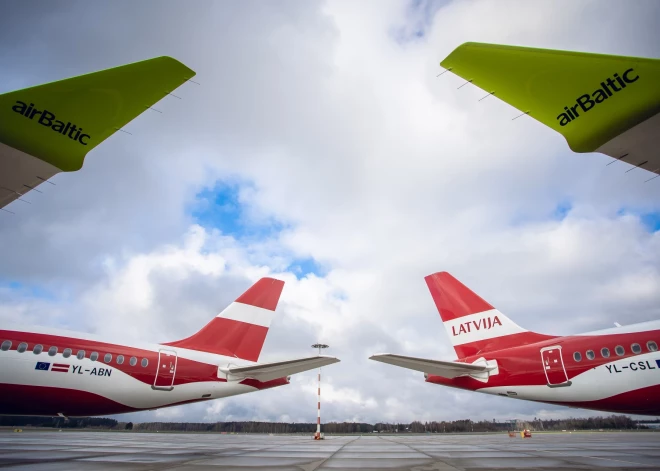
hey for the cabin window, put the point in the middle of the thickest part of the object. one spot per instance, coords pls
(144, 362)
(6, 345)
(94, 356)
(38, 349)
(21, 347)
(80, 355)
(66, 353)
(636, 348)
(133, 361)
(577, 356)
(652, 346)
(605, 352)
(52, 351)
(120, 359)
(590, 354)
(107, 358)
(620, 350)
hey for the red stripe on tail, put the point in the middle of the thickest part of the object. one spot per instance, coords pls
(265, 294)
(452, 298)
(227, 337)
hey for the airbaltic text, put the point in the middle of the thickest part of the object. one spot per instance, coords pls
(46, 118)
(607, 89)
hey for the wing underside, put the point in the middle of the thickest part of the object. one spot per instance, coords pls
(446, 369)
(269, 371)
(20, 173)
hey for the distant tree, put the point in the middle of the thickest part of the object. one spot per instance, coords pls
(457, 426)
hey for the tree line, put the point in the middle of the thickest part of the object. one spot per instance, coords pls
(613, 422)
(57, 422)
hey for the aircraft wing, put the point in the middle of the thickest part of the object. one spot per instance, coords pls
(599, 103)
(446, 369)
(50, 128)
(269, 371)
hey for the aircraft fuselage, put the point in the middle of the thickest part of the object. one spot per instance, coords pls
(74, 375)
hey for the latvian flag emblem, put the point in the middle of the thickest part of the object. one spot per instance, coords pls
(60, 367)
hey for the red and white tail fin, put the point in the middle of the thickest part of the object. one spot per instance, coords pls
(240, 330)
(473, 325)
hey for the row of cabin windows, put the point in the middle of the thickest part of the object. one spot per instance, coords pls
(619, 350)
(52, 351)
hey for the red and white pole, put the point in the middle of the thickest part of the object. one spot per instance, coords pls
(317, 435)
(318, 417)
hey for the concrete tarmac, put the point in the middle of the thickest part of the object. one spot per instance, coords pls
(73, 450)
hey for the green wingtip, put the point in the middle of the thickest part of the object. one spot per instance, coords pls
(60, 122)
(588, 98)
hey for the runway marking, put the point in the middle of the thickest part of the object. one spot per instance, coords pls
(207, 455)
(177, 451)
(437, 463)
(319, 463)
(594, 457)
(565, 457)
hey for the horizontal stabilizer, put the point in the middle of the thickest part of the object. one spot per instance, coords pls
(599, 103)
(446, 369)
(269, 371)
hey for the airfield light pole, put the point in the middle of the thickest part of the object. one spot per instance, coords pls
(317, 435)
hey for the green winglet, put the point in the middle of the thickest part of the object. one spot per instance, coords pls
(60, 122)
(588, 98)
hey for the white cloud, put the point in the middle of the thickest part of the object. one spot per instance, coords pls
(336, 127)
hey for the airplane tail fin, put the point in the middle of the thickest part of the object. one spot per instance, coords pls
(473, 325)
(240, 330)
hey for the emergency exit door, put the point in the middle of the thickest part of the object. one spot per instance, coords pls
(166, 370)
(553, 365)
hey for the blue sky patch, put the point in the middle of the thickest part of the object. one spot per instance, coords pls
(419, 16)
(219, 207)
(304, 266)
(562, 209)
(28, 290)
(649, 219)
(223, 207)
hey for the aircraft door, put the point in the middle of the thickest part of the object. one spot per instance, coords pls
(167, 360)
(553, 365)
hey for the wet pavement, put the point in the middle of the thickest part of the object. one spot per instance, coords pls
(73, 450)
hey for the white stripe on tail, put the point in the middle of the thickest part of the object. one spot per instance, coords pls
(481, 326)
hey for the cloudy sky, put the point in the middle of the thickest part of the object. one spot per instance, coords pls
(320, 148)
